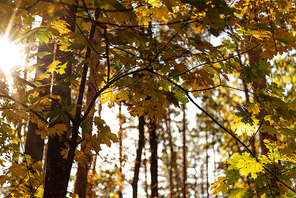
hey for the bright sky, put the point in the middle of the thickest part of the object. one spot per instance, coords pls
(10, 56)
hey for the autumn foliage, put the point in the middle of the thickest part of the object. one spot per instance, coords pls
(232, 61)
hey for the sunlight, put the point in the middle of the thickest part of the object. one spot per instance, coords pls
(10, 56)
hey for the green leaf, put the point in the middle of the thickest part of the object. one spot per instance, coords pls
(105, 132)
(123, 94)
(232, 176)
(240, 193)
(172, 99)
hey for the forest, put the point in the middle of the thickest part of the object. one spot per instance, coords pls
(147, 98)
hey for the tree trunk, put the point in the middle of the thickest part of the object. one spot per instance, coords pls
(82, 171)
(202, 180)
(146, 174)
(139, 155)
(58, 167)
(34, 143)
(254, 58)
(253, 140)
(184, 152)
(153, 160)
(120, 136)
(171, 159)
(207, 163)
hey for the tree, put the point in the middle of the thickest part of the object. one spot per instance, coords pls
(34, 143)
(138, 160)
(151, 55)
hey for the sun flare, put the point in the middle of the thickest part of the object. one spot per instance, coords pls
(10, 56)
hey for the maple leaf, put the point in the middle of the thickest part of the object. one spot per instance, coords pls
(246, 164)
(123, 95)
(240, 193)
(219, 186)
(232, 176)
(234, 160)
(241, 128)
(58, 129)
(61, 68)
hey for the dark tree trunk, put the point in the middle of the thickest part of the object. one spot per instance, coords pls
(57, 166)
(184, 152)
(172, 154)
(120, 136)
(146, 186)
(83, 169)
(34, 143)
(154, 164)
(82, 172)
(253, 140)
(207, 163)
(139, 156)
(254, 58)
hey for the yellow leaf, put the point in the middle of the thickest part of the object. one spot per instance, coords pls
(86, 26)
(2, 180)
(57, 129)
(64, 153)
(52, 67)
(35, 94)
(123, 94)
(155, 3)
(108, 96)
(219, 186)
(241, 128)
(42, 76)
(61, 26)
(113, 195)
(246, 165)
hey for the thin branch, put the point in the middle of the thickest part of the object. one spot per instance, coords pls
(222, 127)
(53, 99)
(100, 23)
(24, 81)
(87, 39)
(111, 82)
(217, 86)
(107, 54)
(253, 137)
(27, 107)
(84, 76)
(218, 61)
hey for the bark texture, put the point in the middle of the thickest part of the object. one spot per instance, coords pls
(58, 167)
(154, 164)
(254, 58)
(34, 143)
(184, 152)
(139, 156)
(83, 169)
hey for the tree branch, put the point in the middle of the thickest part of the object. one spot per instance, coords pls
(221, 126)
(107, 54)
(27, 107)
